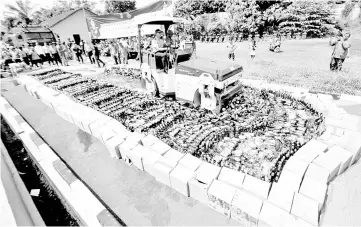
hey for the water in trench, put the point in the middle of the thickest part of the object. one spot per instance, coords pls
(49, 205)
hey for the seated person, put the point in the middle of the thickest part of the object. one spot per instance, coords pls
(158, 48)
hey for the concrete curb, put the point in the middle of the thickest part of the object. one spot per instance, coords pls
(77, 197)
(152, 156)
(30, 206)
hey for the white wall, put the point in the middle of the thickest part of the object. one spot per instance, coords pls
(74, 24)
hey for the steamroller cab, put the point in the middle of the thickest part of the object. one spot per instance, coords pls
(200, 82)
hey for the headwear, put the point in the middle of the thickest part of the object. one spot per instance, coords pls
(158, 31)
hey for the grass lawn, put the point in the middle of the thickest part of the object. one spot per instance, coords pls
(302, 63)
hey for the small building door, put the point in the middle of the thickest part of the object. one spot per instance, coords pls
(76, 38)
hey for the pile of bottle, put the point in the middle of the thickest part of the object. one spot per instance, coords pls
(256, 132)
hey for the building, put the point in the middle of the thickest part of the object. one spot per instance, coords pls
(70, 25)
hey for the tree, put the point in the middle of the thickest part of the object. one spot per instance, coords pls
(22, 10)
(191, 9)
(112, 6)
(312, 17)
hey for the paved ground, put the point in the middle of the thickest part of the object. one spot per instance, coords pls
(133, 195)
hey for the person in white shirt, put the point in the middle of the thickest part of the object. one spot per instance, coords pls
(159, 49)
(48, 54)
(41, 52)
(54, 53)
(231, 46)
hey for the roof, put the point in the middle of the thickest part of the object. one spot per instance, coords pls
(58, 18)
(208, 65)
(145, 19)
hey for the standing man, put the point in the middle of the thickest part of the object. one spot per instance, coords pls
(97, 55)
(114, 51)
(48, 55)
(88, 47)
(77, 51)
(231, 46)
(62, 49)
(340, 52)
(40, 51)
(55, 54)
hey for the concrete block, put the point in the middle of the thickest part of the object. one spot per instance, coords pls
(296, 165)
(96, 127)
(306, 209)
(162, 169)
(149, 140)
(207, 172)
(220, 196)
(343, 155)
(314, 190)
(112, 145)
(290, 179)
(256, 186)
(198, 190)
(135, 137)
(174, 155)
(281, 196)
(160, 147)
(190, 162)
(246, 208)
(311, 150)
(149, 161)
(276, 216)
(231, 177)
(116, 126)
(125, 148)
(137, 154)
(179, 178)
(106, 134)
(328, 162)
(317, 173)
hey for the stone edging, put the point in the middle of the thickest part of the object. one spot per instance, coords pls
(297, 199)
(26, 198)
(77, 197)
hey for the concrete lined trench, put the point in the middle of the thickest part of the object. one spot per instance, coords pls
(48, 203)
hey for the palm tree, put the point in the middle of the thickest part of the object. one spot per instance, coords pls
(21, 9)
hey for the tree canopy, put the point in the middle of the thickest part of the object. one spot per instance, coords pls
(112, 6)
(252, 16)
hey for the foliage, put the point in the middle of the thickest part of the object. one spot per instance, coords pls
(112, 6)
(190, 9)
(312, 17)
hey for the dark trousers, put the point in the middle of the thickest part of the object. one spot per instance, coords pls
(35, 62)
(90, 56)
(49, 58)
(115, 57)
(231, 56)
(42, 58)
(57, 58)
(99, 60)
(79, 57)
(336, 64)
